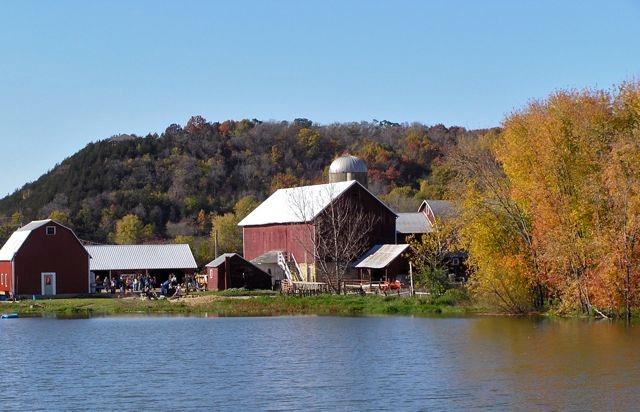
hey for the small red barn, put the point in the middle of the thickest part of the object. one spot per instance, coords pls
(44, 258)
(230, 270)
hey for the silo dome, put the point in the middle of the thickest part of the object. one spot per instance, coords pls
(348, 167)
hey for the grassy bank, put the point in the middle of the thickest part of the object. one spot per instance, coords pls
(236, 305)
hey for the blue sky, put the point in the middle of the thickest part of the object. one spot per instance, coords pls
(72, 72)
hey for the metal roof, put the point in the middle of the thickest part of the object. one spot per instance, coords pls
(415, 222)
(380, 256)
(220, 260)
(34, 225)
(17, 239)
(348, 164)
(270, 257)
(440, 208)
(296, 204)
(299, 204)
(140, 257)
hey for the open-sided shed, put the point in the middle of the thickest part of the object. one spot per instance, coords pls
(384, 262)
(159, 260)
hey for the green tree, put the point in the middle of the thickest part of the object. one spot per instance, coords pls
(225, 227)
(229, 235)
(429, 254)
(130, 230)
(60, 217)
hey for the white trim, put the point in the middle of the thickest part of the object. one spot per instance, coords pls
(13, 274)
(42, 275)
(46, 230)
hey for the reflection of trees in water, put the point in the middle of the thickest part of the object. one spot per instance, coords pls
(551, 362)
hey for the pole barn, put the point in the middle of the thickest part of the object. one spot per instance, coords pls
(44, 258)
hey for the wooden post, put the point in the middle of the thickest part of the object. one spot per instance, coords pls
(215, 243)
(411, 277)
(226, 272)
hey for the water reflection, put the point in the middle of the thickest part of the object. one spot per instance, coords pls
(318, 363)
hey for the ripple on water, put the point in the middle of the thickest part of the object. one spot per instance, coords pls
(317, 363)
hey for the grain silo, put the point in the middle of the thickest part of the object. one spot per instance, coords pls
(346, 168)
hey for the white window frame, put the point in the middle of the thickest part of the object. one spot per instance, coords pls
(47, 230)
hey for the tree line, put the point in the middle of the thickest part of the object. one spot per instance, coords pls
(550, 205)
(183, 182)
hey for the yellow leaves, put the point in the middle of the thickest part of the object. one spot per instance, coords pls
(308, 138)
(130, 230)
(572, 171)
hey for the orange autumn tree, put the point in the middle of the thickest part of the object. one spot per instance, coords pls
(495, 230)
(552, 154)
(619, 229)
(571, 170)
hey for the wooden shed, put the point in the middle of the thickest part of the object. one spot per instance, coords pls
(44, 258)
(231, 270)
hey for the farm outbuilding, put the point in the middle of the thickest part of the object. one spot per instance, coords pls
(230, 270)
(44, 258)
(423, 221)
(384, 263)
(157, 260)
(268, 262)
(286, 222)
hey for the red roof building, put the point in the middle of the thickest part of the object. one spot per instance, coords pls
(44, 258)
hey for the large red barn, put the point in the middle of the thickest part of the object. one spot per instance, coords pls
(44, 258)
(285, 222)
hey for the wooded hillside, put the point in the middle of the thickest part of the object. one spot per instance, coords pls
(176, 182)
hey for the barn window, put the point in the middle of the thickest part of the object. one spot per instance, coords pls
(51, 230)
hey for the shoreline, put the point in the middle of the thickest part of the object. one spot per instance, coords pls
(220, 305)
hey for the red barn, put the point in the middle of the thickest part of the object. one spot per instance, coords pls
(285, 222)
(44, 258)
(230, 270)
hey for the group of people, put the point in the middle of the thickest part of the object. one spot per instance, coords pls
(126, 283)
(145, 285)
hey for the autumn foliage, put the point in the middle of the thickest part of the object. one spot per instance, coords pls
(552, 205)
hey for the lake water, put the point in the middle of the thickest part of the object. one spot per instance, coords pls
(318, 363)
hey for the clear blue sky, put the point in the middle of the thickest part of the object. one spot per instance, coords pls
(72, 72)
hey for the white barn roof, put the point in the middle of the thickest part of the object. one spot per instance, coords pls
(140, 257)
(17, 239)
(295, 204)
(380, 256)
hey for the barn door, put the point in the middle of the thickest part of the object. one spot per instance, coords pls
(48, 284)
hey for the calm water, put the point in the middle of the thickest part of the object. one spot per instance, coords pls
(318, 363)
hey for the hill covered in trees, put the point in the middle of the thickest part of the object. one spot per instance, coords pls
(160, 187)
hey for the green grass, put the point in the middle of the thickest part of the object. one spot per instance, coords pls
(242, 305)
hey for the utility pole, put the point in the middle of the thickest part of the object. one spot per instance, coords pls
(215, 243)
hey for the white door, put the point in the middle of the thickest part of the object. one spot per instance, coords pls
(48, 284)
